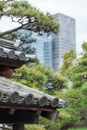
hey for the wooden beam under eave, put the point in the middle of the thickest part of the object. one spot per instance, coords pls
(50, 115)
(30, 117)
(11, 63)
(18, 126)
(26, 108)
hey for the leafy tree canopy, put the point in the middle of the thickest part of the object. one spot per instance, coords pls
(40, 77)
(84, 47)
(28, 17)
(76, 69)
(68, 61)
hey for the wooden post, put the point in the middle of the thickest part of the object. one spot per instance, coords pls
(18, 126)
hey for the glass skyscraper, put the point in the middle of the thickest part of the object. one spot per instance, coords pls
(64, 41)
(43, 49)
(50, 49)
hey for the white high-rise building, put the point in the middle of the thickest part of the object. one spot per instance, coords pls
(64, 41)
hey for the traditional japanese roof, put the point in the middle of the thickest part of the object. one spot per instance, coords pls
(16, 98)
(11, 56)
(13, 93)
(18, 102)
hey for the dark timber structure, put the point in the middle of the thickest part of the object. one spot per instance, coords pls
(20, 104)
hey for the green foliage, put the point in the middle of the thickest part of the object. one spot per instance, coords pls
(2, 5)
(34, 127)
(84, 89)
(37, 76)
(68, 59)
(75, 99)
(79, 73)
(84, 47)
(31, 76)
(76, 96)
(75, 69)
(71, 115)
(29, 17)
(79, 129)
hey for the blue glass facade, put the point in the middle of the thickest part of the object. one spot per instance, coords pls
(43, 47)
(50, 49)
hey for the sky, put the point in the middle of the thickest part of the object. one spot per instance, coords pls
(74, 8)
